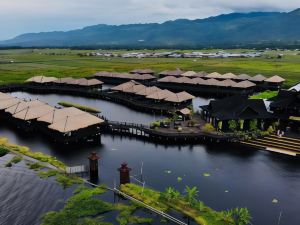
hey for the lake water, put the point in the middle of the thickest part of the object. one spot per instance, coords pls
(239, 176)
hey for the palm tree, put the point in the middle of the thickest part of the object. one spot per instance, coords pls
(241, 216)
(191, 194)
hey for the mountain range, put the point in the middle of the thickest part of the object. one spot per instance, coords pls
(224, 30)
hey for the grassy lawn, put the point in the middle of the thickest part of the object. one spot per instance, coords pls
(81, 107)
(27, 63)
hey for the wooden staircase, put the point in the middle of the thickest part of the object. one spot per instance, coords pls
(273, 143)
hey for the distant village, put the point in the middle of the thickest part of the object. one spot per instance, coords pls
(174, 54)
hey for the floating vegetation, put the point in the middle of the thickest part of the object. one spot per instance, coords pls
(16, 159)
(187, 205)
(179, 179)
(81, 107)
(5, 146)
(126, 215)
(3, 151)
(206, 174)
(9, 164)
(275, 201)
(226, 191)
(168, 171)
(35, 166)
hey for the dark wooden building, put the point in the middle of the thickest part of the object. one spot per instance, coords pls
(239, 110)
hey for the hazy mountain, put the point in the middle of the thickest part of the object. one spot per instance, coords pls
(229, 29)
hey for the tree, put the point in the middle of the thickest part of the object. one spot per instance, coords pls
(241, 216)
(191, 194)
(232, 125)
(253, 124)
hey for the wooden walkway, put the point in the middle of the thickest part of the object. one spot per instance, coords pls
(273, 143)
(145, 132)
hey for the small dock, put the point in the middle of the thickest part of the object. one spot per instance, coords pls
(273, 143)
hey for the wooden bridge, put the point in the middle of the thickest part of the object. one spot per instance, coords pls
(145, 132)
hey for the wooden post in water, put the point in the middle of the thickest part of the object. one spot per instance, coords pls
(93, 159)
(124, 174)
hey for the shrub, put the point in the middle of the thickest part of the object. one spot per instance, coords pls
(208, 127)
(16, 159)
(9, 164)
(270, 130)
(232, 125)
(3, 151)
(253, 124)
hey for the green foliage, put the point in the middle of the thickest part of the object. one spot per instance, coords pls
(3, 151)
(232, 125)
(126, 215)
(253, 124)
(82, 204)
(16, 159)
(9, 164)
(265, 95)
(208, 127)
(241, 123)
(241, 216)
(48, 173)
(35, 166)
(68, 180)
(36, 155)
(220, 125)
(172, 200)
(270, 130)
(81, 107)
(191, 195)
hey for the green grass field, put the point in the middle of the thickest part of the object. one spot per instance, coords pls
(19, 65)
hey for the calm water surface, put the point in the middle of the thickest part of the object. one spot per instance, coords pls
(239, 177)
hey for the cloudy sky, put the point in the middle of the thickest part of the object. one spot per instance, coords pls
(23, 16)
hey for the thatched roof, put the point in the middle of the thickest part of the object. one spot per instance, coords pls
(167, 79)
(197, 80)
(243, 77)
(226, 83)
(59, 114)
(74, 123)
(244, 84)
(134, 88)
(185, 111)
(9, 102)
(143, 77)
(90, 82)
(180, 80)
(258, 78)
(41, 79)
(214, 75)
(179, 97)
(200, 74)
(33, 112)
(125, 86)
(229, 76)
(160, 95)
(63, 80)
(211, 82)
(188, 74)
(21, 105)
(275, 79)
(4, 96)
(148, 91)
(176, 72)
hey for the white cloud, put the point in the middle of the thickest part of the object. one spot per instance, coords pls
(20, 16)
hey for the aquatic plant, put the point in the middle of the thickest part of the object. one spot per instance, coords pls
(16, 159)
(81, 107)
(191, 195)
(3, 151)
(36, 155)
(35, 166)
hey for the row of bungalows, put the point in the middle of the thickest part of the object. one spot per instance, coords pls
(119, 78)
(209, 86)
(262, 82)
(68, 82)
(64, 125)
(286, 106)
(238, 113)
(152, 95)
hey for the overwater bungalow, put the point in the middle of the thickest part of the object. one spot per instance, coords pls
(77, 128)
(41, 80)
(178, 98)
(273, 83)
(243, 77)
(229, 76)
(189, 74)
(148, 91)
(119, 78)
(175, 73)
(243, 113)
(214, 75)
(258, 79)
